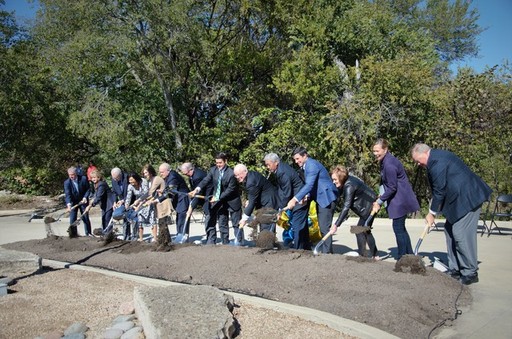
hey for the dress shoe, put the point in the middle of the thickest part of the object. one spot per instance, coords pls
(454, 274)
(469, 279)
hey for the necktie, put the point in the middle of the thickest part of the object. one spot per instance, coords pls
(75, 186)
(217, 191)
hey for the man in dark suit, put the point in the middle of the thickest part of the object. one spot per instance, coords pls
(458, 194)
(260, 193)
(225, 200)
(76, 191)
(319, 187)
(290, 183)
(180, 202)
(120, 190)
(195, 176)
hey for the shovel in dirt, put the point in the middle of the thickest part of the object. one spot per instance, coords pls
(426, 231)
(321, 242)
(360, 229)
(182, 237)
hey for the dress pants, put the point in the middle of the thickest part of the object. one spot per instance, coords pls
(461, 243)
(87, 222)
(299, 224)
(325, 216)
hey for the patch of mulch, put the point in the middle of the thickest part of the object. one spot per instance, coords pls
(401, 303)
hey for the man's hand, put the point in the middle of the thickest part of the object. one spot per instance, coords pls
(375, 208)
(333, 229)
(68, 209)
(291, 204)
(242, 223)
(194, 192)
(430, 219)
(84, 201)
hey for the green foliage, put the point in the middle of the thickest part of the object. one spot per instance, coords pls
(30, 180)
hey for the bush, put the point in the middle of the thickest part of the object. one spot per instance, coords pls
(29, 180)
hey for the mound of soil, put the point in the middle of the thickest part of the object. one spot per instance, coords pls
(402, 303)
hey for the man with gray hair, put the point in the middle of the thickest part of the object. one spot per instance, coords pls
(120, 190)
(195, 176)
(77, 191)
(260, 193)
(458, 194)
(290, 183)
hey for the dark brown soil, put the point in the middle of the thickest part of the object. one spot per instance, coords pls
(405, 304)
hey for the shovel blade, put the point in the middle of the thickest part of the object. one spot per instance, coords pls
(317, 247)
(417, 248)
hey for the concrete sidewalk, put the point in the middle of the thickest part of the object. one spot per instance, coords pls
(491, 311)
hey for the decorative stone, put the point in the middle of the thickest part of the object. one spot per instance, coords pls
(123, 318)
(112, 333)
(124, 326)
(76, 328)
(134, 333)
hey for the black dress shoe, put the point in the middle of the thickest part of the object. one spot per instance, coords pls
(454, 274)
(469, 279)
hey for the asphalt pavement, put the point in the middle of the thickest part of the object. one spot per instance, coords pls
(488, 317)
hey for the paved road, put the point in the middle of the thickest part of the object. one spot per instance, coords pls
(490, 315)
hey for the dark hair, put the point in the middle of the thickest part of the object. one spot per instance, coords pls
(221, 155)
(135, 177)
(299, 150)
(382, 142)
(150, 170)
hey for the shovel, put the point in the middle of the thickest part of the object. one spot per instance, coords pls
(182, 237)
(426, 231)
(321, 242)
(365, 227)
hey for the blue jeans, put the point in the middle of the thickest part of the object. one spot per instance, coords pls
(402, 237)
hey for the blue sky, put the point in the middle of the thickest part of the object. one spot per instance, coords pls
(495, 42)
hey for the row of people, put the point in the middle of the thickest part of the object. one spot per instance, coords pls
(294, 190)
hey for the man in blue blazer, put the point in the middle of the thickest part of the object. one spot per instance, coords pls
(76, 191)
(225, 200)
(319, 187)
(458, 194)
(260, 193)
(195, 176)
(120, 190)
(290, 183)
(180, 202)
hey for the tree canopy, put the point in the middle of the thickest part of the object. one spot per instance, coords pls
(132, 82)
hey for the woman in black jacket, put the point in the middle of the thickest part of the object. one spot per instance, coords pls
(358, 197)
(103, 197)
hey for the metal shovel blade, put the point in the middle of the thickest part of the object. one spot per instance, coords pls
(181, 238)
(321, 242)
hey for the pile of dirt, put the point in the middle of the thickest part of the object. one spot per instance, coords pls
(404, 304)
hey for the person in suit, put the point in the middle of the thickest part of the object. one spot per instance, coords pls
(104, 197)
(260, 193)
(290, 183)
(77, 191)
(318, 187)
(397, 194)
(458, 193)
(359, 198)
(180, 202)
(225, 200)
(120, 189)
(195, 176)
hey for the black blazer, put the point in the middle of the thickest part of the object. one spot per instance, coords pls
(230, 192)
(289, 183)
(71, 196)
(260, 192)
(120, 188)
(180, 202)
(195, 180)
(358, 197)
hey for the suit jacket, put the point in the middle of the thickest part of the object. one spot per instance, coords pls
(103, 196)
(318, 184)
(456, 190)
(180, 202)
(289, 183)
(195, 180)
(71, 196)
(260, 192)
(358, 197)
(398, 191)
(230, 193)
(120, 188)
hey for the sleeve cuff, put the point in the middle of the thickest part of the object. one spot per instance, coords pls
(380, 202)
(432, 212)
(245, 217)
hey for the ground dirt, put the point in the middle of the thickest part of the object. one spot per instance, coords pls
(402, 303)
